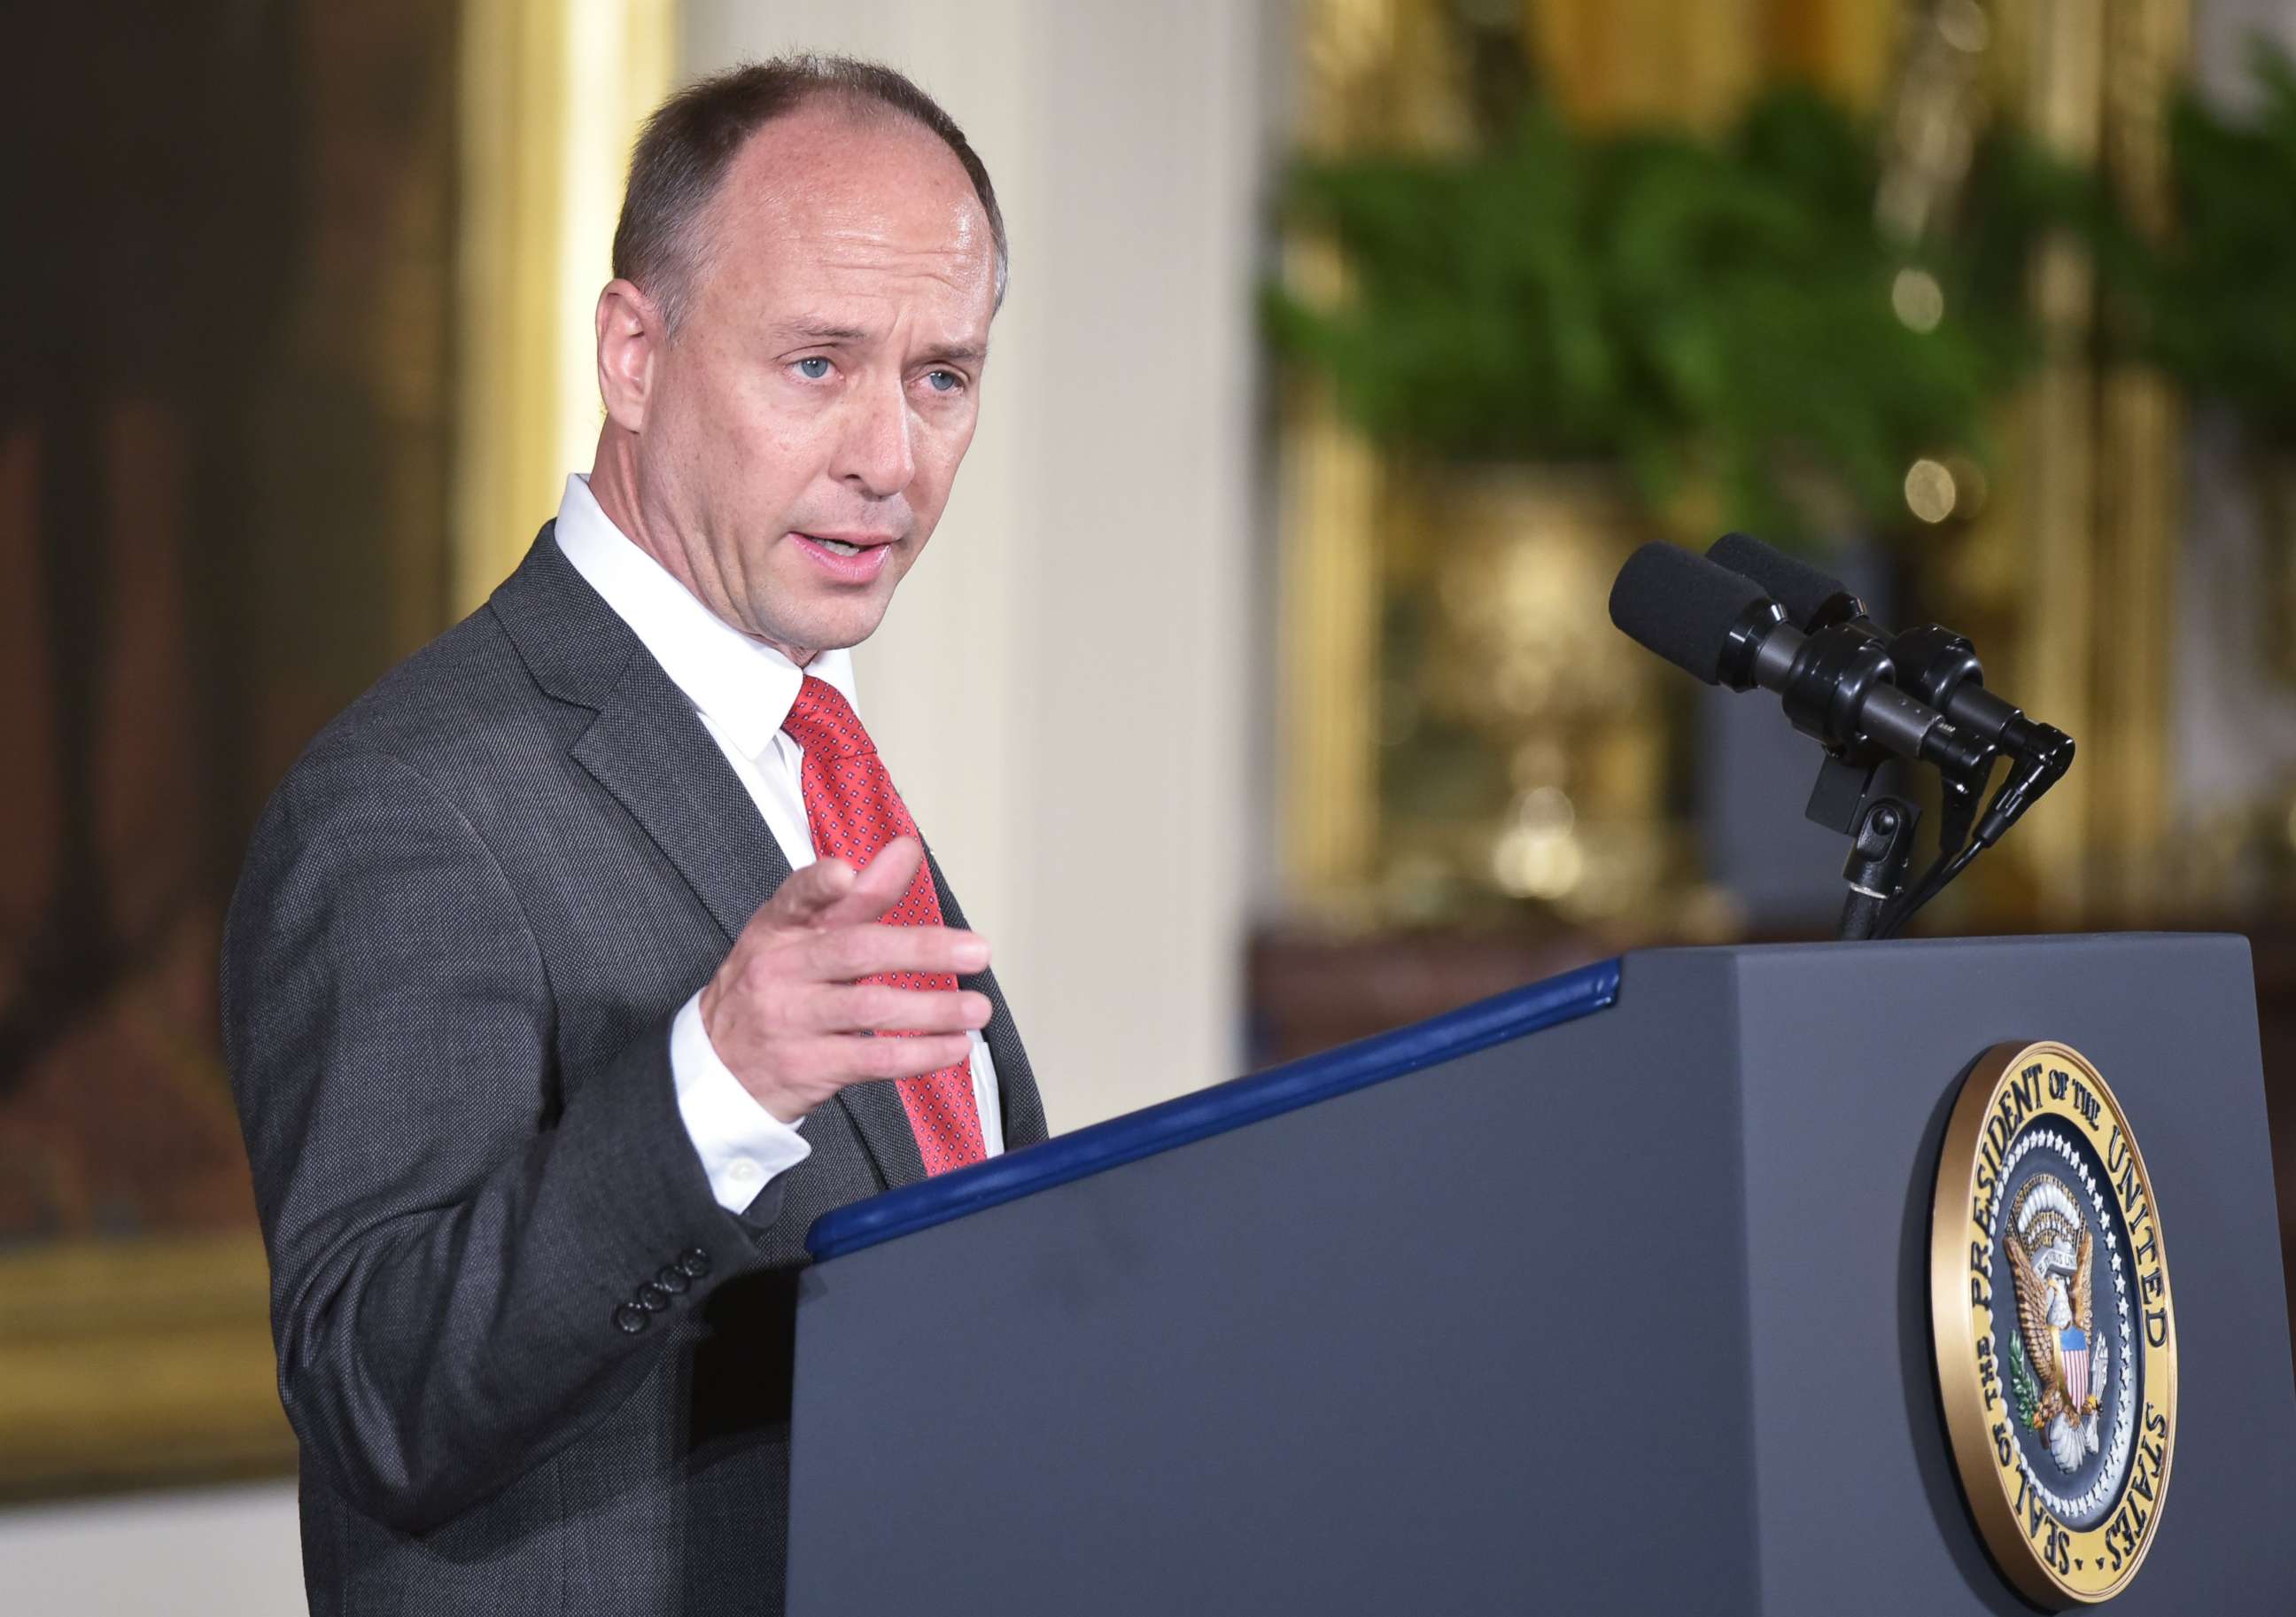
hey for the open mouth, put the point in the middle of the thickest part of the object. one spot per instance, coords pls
(847, 560)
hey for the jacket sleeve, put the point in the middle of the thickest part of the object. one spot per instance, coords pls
(458, 1231)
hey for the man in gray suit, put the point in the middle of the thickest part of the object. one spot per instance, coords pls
(545, 1058)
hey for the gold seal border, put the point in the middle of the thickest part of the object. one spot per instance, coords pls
(1954, 1332)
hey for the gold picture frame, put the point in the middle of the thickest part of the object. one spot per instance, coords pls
(137, 1362)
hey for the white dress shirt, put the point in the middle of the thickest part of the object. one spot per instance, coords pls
(742, 690)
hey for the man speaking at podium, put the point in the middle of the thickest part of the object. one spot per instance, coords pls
(549, 984)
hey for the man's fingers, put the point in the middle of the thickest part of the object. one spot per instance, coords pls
(883, 882)
(873, 1008)
(836, 1060)
(875, 1058)
(853, 952)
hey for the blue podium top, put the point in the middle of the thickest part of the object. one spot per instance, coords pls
(1214, 1111)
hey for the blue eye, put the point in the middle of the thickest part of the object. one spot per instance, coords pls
(806, 367)
(944, 381)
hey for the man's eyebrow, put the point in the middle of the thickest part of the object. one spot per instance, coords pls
(955, 353)
(812, 330)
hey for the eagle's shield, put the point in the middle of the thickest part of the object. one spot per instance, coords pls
(2073, 1346)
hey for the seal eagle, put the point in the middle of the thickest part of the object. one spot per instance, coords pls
(2049, 1253)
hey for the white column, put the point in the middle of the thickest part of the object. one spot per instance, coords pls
(1061, 689)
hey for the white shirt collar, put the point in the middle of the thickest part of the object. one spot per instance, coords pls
(743, 685)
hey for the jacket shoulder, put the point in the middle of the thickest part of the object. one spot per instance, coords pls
(465, 698)
(525, 670)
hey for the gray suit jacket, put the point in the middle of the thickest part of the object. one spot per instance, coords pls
(533, 1365)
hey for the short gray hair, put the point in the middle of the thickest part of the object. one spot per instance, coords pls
(683, 151)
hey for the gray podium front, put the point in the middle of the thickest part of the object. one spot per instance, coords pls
(1607, 1295)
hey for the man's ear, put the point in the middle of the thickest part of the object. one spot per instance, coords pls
(630, 338)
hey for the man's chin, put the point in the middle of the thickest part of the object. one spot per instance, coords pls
(825, 626)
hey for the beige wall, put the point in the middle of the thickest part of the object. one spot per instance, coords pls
(1062, 688)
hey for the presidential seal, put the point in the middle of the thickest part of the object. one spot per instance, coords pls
(2054, 1335)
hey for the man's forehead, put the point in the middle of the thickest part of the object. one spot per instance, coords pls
(851, 184)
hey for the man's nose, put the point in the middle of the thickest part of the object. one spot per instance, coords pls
(874, 453)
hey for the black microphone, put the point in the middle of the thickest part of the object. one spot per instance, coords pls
(1837, 684)
(1812, 599)
(1932, 663)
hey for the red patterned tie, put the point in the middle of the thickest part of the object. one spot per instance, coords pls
(854, 811)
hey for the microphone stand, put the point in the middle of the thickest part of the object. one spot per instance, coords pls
(1880, 848)
(1880, 832)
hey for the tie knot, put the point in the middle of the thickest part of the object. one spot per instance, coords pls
(821, 720)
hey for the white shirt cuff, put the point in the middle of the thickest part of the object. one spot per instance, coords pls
(742, 1146)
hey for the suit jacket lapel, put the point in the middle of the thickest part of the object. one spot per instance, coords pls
(882, 1122)
(646, 746)
(648, 750)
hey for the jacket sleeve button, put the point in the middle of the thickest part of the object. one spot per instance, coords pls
(652, 1298)
(671, 1279)
(694, 1261)
(630, 1319)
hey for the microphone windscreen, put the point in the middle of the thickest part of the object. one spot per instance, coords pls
(1682, 606)
(1807, 593)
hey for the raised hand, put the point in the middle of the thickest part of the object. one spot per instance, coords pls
(787, 1014)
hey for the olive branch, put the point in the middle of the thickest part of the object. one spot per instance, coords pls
(2022, 1385)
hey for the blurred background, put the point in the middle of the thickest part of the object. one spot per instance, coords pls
(1258, 692)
